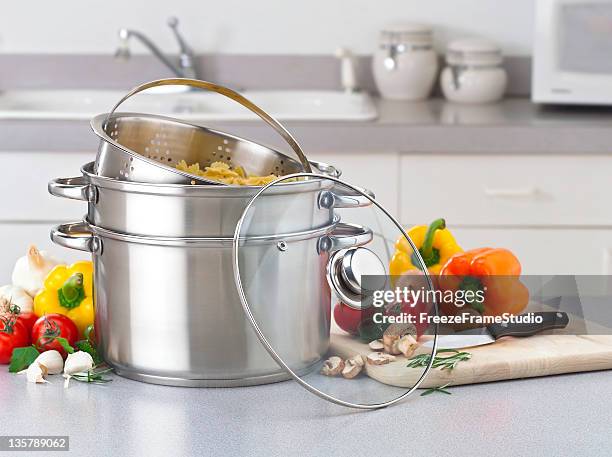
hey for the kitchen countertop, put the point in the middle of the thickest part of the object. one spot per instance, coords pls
(514, 125)
(557, 415)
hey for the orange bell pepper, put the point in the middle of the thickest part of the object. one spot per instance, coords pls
(495, 272)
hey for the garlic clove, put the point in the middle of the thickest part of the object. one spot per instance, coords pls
(52, 361)
(36, 373)
(15, 295)
(78, 362)
(31, 270)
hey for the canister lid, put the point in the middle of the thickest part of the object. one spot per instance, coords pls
(473, 51)
(285, 283)
(407, 33)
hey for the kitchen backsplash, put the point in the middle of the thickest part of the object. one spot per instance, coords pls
(72, 71)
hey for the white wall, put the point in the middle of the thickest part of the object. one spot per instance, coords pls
(254, 26)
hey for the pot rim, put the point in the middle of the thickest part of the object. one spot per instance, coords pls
(200, 189)
(212, 241)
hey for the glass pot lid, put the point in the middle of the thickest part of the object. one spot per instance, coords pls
(322, 301)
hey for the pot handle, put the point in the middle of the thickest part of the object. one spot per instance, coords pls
(344, 236)
(330, 199)
(229, 93)
(77, 188)
(76, 235)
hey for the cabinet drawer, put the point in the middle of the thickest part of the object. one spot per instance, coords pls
(547, 251)
(507, 190)
(15, 241)
(23, 188)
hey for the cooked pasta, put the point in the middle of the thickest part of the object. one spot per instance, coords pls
(221, 172)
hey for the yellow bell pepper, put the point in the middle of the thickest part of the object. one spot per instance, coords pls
(68, 290)
(435, 243)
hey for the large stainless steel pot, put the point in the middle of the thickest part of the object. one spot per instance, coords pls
(173, 210)
(167, 310)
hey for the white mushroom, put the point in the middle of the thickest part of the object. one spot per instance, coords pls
(407, 345)
(379, 358)
(332, 366)
(393, 333)
(352, 367)
(376, 345)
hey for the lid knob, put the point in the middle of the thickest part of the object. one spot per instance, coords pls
(347, 272)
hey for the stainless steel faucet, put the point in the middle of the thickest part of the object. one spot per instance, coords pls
(184, 68)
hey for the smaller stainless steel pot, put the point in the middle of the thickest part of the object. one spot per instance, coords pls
(167, 310)
(174, 210)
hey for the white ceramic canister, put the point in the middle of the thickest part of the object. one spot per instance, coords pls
(405, 64)
(474, 72)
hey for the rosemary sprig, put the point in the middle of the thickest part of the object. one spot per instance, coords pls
(94, 376)
(441, 389)
(444, 363)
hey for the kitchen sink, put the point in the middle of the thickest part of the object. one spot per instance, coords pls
(190, 105)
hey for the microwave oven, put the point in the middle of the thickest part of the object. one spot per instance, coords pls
(572, 53)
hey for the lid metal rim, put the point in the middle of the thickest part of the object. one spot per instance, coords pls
(264, 341)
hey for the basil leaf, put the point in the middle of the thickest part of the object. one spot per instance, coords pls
(22, 358)
(65, 345)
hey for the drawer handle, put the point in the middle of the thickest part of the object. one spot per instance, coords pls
(519, 192)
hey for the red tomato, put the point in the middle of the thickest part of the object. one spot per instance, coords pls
(50, 326)
(348, 319)
(14, 335)
(28, 319)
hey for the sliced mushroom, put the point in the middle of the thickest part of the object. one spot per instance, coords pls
(407, 344)
(379, 358)
(393, 333)
(352, 367)
(376, 345)
(332, 366)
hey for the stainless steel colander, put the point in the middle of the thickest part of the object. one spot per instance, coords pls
(146, 147)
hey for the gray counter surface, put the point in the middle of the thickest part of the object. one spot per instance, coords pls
(513, 126)
(565, 415)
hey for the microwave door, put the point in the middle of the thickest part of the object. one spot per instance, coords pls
(573, 55)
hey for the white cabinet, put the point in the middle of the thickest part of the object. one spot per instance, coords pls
(547, 251)
(553, 212)
(28, 211)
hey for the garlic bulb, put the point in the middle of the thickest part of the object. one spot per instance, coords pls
(31, 270)
(15, 295)
(36, 373)
(78, 362)
(52, 361)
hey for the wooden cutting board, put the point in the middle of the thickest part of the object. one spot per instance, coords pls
(508, 358)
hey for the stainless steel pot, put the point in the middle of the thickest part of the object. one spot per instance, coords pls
(167, 310)
(173, 210)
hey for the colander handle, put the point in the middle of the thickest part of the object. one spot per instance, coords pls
(229, 93)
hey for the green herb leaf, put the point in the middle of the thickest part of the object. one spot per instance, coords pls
(22, 358)
(65, 344)
(86, 346)
(441, 389)
(444, 363)
(94, 376)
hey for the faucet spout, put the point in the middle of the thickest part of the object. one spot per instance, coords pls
(185, 67)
